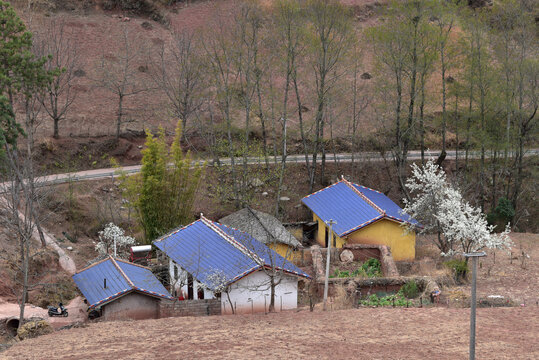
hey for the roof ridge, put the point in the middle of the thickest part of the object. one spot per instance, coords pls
(316, 192)
(231, 240)
(366, 199)
(122, 273)
(92, 265)
(175, 231)
(130, 263)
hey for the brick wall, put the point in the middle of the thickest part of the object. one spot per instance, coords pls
(189, 308)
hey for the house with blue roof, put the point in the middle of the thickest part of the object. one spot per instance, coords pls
(210, 260)
(362, 216)
(121, 290)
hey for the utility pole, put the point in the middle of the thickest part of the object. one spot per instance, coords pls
(331, 222)
(474, 257)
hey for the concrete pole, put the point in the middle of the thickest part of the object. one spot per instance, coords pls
(328, 258)
(472, 312)
(474, 257)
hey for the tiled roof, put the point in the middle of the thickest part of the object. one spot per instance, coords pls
(121, 277)
(263, 227)
(206, 249)
(353, 207)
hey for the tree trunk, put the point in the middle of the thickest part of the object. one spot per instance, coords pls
(271, 307)
(119, 118)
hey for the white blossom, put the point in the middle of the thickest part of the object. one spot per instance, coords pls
(216, 281)
(110, 233)
(440, 208)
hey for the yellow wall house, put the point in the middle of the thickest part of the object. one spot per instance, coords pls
(266, 229)
(362, 216)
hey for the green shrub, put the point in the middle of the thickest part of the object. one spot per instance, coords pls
(372, 267)
(502, 214)
(410, 289)
(389, 300)
(459, 268)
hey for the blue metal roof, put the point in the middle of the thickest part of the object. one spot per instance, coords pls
(269, 256)
(391, 209)
(203, 252)
(353, 207)
(121, 278)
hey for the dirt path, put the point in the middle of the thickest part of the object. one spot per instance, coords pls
(66, 262)
(367, 333)
(76, 309)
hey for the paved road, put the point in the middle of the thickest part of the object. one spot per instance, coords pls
(338, 158)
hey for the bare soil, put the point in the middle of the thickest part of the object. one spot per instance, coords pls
(368, 333)
(512, 274)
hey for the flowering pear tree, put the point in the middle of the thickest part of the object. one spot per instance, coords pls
(440, 208)
(111, 236)
(218, 282)
(428, 189)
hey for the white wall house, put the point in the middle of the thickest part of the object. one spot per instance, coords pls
(252, 294)
(249, 294)
(202, 249)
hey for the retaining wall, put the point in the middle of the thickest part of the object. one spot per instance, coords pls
(189, 308)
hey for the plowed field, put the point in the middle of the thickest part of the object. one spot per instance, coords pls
(367, 333)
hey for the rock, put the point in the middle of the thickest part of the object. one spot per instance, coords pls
(140, 146)
(366, 76)
(284, 198)
(146, 25)
(265, 193)
(346, 256)
(70, 248)
(256, 182)
(33, 329)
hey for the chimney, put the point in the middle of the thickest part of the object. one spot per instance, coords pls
(104, 283)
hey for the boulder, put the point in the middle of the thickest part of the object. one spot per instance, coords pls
(366, 76)
(284, 198)
(346, 256)
(33, 329)
(256, 182)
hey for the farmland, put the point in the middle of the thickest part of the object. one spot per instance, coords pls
(367, 333)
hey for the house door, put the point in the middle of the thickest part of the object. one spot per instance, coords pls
(327, 236)
(190, 287)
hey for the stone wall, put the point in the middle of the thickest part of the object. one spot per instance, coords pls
(189, 308)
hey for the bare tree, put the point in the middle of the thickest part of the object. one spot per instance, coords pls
(220, 56)
(331, 41)
(289, 39)
(118, 74)
(54, 41)
(178, 72)
(21, 195)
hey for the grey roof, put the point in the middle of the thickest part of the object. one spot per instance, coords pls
(263, 227)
